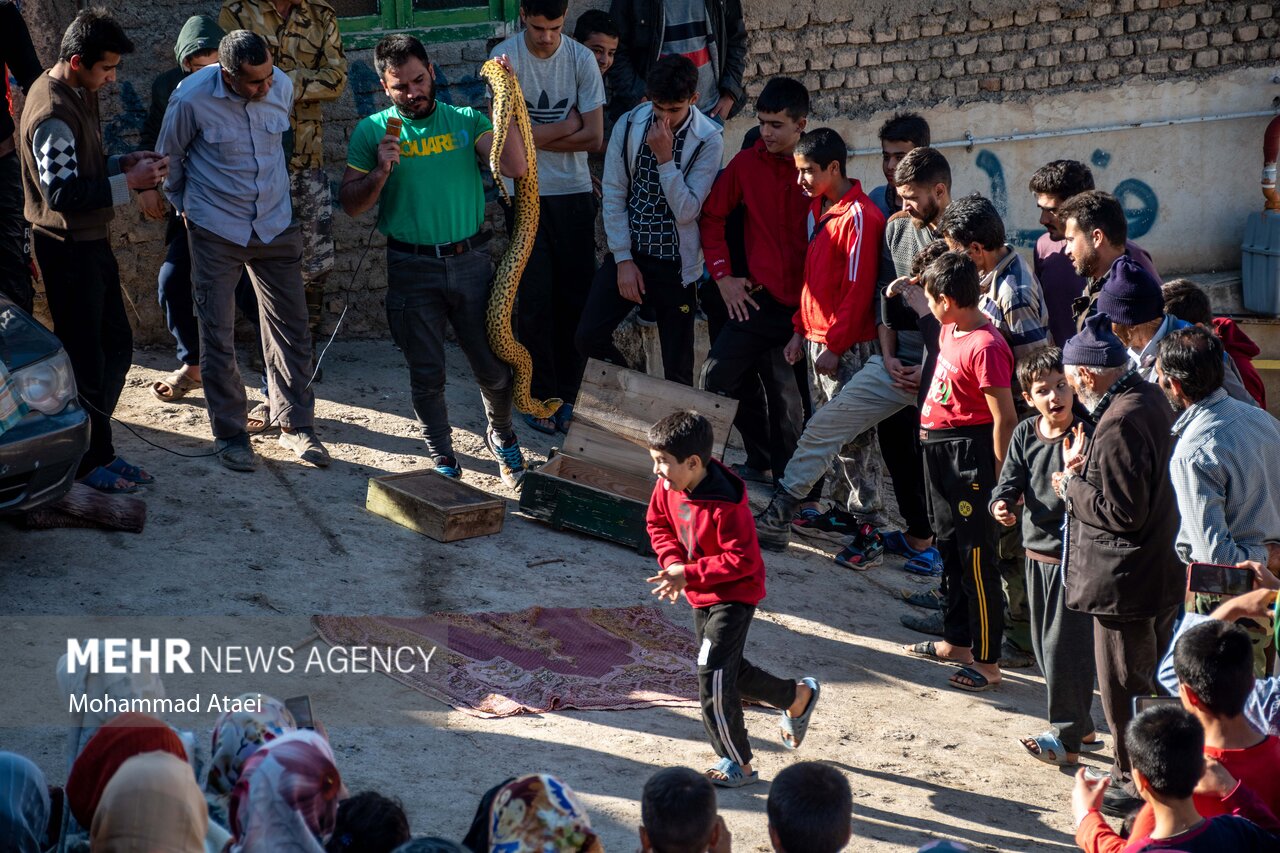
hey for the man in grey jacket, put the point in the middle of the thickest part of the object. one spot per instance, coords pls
(662, 159)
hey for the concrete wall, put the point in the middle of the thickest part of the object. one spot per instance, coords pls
(989, 68)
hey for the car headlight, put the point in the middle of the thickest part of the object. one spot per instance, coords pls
(46, 386)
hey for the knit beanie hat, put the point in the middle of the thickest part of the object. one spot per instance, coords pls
(1130, 296)
(1095, 345)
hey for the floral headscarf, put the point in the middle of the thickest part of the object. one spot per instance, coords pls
(238, 735)
(286, 800)
(115, 743)
(540, 814)
(151, 805)
(24, 805)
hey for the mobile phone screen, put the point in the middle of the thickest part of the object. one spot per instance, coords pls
(1219, 580)
(300, 708)
(1142, 703)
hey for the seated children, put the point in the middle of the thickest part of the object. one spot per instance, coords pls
(810, 809)
(701, 529)
(1166, 746)
(662, 159)
(678, 814)
(1062, 638)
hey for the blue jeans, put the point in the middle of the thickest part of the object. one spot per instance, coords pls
(422, 293)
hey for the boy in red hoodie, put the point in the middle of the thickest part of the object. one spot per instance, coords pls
(701, 528)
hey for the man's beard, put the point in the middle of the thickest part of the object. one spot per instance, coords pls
(422, 107)
(925, 212)
(1084, 263)
(1174, 403)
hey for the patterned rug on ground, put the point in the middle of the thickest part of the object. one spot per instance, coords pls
(540, 659)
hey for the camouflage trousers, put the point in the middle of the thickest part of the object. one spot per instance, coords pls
(856, 472)
(313, 211)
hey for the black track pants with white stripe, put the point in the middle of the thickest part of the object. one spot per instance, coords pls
(725, 677)
(960, 469)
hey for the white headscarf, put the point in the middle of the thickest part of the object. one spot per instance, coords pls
(95, 685)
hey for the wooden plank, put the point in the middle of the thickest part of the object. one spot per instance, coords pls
(434, 505)
(616, 406)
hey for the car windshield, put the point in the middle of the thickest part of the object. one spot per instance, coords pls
(23, 341)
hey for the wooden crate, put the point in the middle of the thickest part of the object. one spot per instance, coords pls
(435, 505)
(600, 480)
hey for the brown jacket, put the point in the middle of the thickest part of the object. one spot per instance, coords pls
(48, 98)
(1122, 514)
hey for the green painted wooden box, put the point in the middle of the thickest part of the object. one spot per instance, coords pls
(600, 480)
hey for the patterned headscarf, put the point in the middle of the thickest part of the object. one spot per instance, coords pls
(540, 814)
(151, 805)
(115, 743)
(97, 686)
(24, 805)
(238, 735)
(286, 800)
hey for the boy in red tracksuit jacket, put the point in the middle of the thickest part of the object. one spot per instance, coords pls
(701, 528)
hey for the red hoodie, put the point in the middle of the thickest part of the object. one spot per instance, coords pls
(776, 207)
(840, 271)
(712, 532)
(1242, 350)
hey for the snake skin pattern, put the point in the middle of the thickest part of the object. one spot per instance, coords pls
(508, 103)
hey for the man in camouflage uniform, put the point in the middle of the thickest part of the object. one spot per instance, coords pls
(306, 45)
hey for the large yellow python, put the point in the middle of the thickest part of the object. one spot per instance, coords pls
(508, 102)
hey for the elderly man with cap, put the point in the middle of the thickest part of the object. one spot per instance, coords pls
(1122, 519)
(1133, 300)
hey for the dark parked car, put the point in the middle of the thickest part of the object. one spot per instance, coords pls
(38, 454)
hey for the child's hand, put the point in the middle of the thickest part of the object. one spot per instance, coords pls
(1087, 795)
(1000, 512)
(826, 363)
(670, 581)
(793, 352)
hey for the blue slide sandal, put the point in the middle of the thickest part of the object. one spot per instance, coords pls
(731, 775)
(796, 727)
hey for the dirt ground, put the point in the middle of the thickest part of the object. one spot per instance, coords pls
(924, 761)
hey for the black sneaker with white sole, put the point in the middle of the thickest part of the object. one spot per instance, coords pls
(834, 525)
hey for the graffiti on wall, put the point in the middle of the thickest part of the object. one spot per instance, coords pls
(366, 88)
(1141, 205)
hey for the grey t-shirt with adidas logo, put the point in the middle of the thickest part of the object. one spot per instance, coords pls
(568, 78)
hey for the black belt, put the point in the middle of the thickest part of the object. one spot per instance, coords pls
(441, 250)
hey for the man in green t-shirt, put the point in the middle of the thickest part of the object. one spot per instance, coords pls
(426, 183)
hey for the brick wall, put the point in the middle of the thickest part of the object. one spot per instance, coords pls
(855, 66)
(859, 59)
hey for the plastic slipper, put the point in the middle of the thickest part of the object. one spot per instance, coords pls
(546, 426)
(132, 473)
(731, 775)
(895, 542)
(1048, 748)
(927, 562)
(1092, 746)
(104, 481)
(929, 651)
(796, 727)
(178, 384)
(929, 599)
(260, 413)
(563, 417)
(980, 683)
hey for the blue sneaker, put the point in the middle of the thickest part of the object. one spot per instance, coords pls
(510, 459)
(448, 466)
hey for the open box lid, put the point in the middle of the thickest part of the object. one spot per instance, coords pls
(616, 406)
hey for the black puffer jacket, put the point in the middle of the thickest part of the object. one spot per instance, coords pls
(640, 28)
